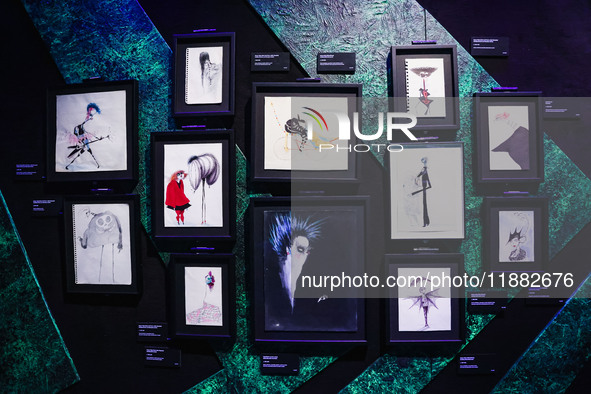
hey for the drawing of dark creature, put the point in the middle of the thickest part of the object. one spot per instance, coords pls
(203, 169)
(292, 126)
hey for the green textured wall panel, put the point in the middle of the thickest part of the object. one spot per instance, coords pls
(33, 356)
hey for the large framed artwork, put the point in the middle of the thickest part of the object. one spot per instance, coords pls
(204, 74)
(515, 233)
(423, 306)
(427, 191)
(193, 193)
(508, 137)
(101, 251)
(92, 132)
(200, 293)
(295, 131)
(294, 242)
(425, 84)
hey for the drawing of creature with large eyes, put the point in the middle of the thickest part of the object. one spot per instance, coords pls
(103, 229)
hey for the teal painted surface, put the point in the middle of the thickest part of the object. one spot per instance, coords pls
(33, 356)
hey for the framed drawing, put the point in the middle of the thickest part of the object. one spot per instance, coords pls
(201, 300)
(515, 233)
(292, 242)
(427, 191)
(92, 132)
(203, 74)
(425, 84)
(101, 252)
(508, 137)
(193, 193)
(422, 307)
(295, 131)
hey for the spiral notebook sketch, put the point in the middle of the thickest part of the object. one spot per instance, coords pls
(425, 87)
(204, 72)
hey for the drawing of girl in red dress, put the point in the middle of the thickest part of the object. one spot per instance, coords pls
(175, 196)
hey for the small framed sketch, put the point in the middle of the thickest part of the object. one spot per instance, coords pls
(92, 132)
(508, 138)
(201, 300)
(425, 84)
(423, 307)
(427, 191)
(203, 74)
(292, 242)
(101, 253)
(193, 192)
(515, 233)
(295, 131)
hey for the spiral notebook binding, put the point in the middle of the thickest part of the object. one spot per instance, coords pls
(75, 245)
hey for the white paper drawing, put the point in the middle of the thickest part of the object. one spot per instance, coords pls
(421, 305)
(203, 83)
(91, 132)
(286, 124)
(508, 137)
(425, 87)
(203, 296)
(102, 244)
(193, 191)
(516, 236)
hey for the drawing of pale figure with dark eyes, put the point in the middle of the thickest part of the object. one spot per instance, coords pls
(515, 227)
(103, 229)
(291, 238)
(208, 313)
(211, 74)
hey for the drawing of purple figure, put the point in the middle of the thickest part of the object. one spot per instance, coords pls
(425, 299)
(424, 182)
(203, 169)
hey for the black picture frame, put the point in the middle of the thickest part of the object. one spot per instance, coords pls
(191, 99)
(191, 152)
(190, 276)
(500, 156)
(435, 171)
(512, 217)
(92, 223)
(274, 162)
(77, 149)
(316, 314)
(415, 326)
(408, 86)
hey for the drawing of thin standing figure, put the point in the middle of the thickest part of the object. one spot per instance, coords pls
(425, 299)
(210, 74)
(175, 196)
(517, 238)
(203, 169)
(424, 73)
(82, 139)
(208, 313)
(424, 182)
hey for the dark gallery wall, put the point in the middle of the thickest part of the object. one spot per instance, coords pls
(550, 51)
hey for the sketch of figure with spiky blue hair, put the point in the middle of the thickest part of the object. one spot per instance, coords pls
(291, 238)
